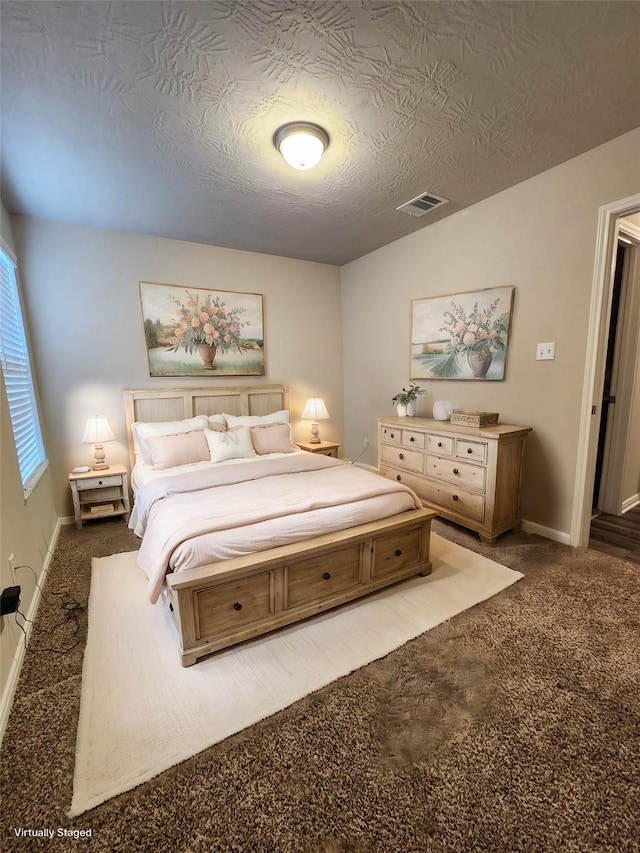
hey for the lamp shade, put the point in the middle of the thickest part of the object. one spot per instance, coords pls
(315, 410)
(97, 431)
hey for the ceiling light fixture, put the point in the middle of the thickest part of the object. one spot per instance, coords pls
(301, 143)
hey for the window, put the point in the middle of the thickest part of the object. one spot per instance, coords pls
(17, 379)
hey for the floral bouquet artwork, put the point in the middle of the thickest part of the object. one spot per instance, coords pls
(192, 332)
(463, 336)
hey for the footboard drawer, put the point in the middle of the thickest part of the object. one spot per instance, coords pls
(319, 578)
(398, 551)
(235, 604)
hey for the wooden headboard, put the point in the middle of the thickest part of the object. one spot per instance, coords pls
(175, 404)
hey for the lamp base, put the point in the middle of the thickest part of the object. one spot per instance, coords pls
(315, 434)
(99, 466)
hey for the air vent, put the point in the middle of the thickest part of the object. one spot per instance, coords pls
(422, 204)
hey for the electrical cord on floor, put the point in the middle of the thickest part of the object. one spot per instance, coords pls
(72, 610)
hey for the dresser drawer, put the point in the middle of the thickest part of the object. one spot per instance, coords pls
(410, 460)
(395, 552)
(98, 482)
(413, 481)
(458, 500)
(471, 450)
(441, 444)
(472, 476)
(392, 435)
(413, 439)
(234, 604)
(319, 577)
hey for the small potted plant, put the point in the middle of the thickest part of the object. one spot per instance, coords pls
(405, 400)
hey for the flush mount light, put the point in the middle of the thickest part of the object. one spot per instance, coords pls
(301, 143)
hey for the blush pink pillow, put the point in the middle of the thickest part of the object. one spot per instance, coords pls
(169, 451)
(272, 438)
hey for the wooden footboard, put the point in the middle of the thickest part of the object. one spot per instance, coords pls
(225, 603)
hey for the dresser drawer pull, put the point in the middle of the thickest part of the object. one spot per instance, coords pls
(397, 553)
(439, 444)
(392, 435)
(469, 449)
(237, 606)
(400, 455)
(413, 438)
(455, 497)
(398, 477)
(455, 471)
(326, 576)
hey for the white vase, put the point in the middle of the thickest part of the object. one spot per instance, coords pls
(401, 408)
(411, 409)
(442, 409)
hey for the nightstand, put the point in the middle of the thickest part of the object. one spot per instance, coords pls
(327, 448)
(100, 494)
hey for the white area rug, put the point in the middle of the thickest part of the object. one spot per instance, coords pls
(141, 712)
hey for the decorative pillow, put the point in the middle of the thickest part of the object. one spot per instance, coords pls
(234, 443)
(281, 417)
(169, 451)
(142, 431)
(272, 438)
(217, 423)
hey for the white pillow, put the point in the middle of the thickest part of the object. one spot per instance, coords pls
(217, 422)
(142, 431)
(234, 443)
(281, 417)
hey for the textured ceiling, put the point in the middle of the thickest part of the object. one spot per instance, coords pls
(158, 117)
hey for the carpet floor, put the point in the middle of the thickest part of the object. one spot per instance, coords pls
(513, 727)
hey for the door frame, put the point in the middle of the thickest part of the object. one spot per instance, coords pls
(595, 355)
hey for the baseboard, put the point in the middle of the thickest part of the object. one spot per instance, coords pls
(67, 519)
(630, 503)
(547, 532)
(6, 701)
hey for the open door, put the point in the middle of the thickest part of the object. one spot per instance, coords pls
(615, 485)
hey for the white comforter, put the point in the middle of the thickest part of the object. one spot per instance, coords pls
(213, 514)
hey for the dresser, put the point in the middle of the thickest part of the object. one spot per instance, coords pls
(467, 474)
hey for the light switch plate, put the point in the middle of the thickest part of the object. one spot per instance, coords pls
(546, 352)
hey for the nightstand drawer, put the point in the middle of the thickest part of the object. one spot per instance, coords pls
(103, 494)
(98, 483)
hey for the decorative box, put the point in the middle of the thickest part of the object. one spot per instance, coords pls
(474, 419)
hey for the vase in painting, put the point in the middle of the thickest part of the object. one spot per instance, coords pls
(207, 353)
(480, 362)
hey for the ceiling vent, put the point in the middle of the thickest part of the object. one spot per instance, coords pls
(422, 204)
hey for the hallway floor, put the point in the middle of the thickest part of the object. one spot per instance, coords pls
(618, 535)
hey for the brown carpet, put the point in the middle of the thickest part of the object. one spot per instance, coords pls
(514, 727)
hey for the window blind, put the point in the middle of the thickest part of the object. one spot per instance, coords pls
(18, 379)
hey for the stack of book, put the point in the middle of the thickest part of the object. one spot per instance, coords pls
(102, 509)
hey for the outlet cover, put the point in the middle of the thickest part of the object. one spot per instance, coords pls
(546, 352)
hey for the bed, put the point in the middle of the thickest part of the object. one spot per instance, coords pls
(242, 532)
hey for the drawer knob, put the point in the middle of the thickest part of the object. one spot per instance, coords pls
(439, 444)
(401, 455)
(392, 435)
(237, 606)
(326, 576)
(455, 471)
(455, 497)
(329, 453)
(397, 552)
(398, 477)
(469, 449)
(99, 482)
(413, 438)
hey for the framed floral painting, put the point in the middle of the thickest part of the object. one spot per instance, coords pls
(194, 332)
(461, 336)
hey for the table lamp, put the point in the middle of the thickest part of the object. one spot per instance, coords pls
(315, 410)
(96, 432)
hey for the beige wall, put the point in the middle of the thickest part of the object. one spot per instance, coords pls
(27, 530)
(82, 295)
(539, 237)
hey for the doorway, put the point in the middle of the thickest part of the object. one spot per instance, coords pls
(595, 361)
